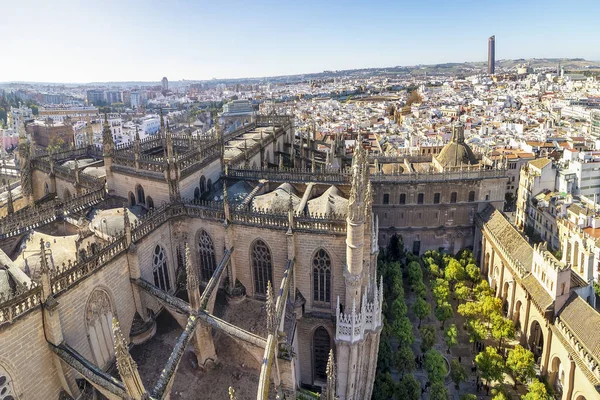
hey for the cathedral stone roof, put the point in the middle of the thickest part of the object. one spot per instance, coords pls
(539, 295)
(510, 239)
(278, 200)
(583, 321)
(329, 202)
(457, 152)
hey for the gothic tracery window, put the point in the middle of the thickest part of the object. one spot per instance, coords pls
(208, 262)
(160, 269)
(99, 315)
(262, 266)
(7, 391)
(322, 277)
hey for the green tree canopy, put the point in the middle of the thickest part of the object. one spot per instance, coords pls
(437, 391)
(404, 359)
(458, 373)
(537, 391)
(454, 271)
(441, 291)
(427, 337)
(443, 312)
(408, 388)
(490, 364)
(521, 364)
(451, 336)
(462, 291)
(383, 388)
(398, 308)
(435, 365)
(473, 273)
(421, 308)
(415, 274)
(502, 328)
(402, 329)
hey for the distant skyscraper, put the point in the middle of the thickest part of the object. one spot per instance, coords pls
(492, 55)
(165, 84)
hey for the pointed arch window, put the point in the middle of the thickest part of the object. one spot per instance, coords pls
(322, 277)
(160, 269)
(7, 391)
(262, 266)
(99, 315)
(208, 262)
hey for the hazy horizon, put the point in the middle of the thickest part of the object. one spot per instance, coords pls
(134, 41)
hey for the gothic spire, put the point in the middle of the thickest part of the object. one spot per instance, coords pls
(89, 131)
(108, 144)
(44, 272)
(126, 365)
(10, 208)
(192, 276)
(360, 179)
(126, 226)
(331, 376)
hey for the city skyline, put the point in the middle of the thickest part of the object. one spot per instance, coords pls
(145, 41)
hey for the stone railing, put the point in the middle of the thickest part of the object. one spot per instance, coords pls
(273, 120)
(466, 174)
(32, 218)
(351, 327)
(196, 159)
(331, 176)
(69, 274)
(68, 174)
(13, 306)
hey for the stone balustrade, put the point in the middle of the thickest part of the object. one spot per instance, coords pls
(35, 217)
(334, 176)
(351, 327)
(24, 300)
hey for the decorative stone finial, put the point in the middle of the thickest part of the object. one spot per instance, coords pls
(232, 395)
(331, 376)
(108, 143)
(360, 179)
(192, 276)
(126, 365)
(10, 208)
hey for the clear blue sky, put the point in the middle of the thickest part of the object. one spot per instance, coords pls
(85, 41)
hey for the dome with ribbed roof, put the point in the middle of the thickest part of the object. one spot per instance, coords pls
(457, 152)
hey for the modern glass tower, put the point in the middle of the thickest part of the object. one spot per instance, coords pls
(492, 55)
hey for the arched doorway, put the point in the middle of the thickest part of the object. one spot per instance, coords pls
(505, 297)
(580, 397)
(98, 318)
(486, 264)
(197, 193)
(517, 315)
(149, 202)
(557, 375)
(209, 185)
(46, 188)
(536, 340)
(321, 348)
